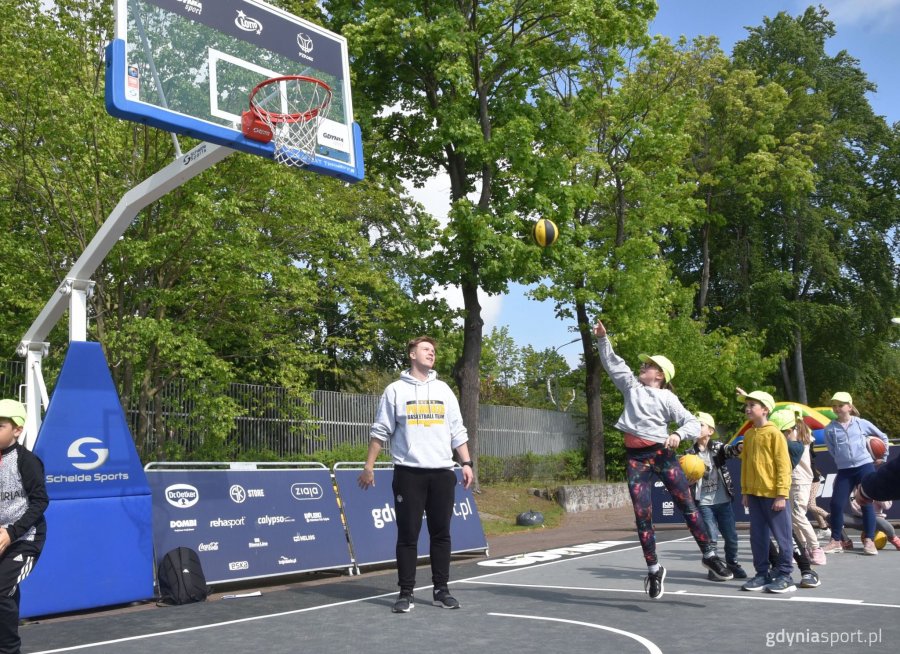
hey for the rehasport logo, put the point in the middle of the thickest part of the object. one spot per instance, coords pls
(98, 456)
(182, 496)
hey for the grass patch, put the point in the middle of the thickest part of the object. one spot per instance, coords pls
(499, 504)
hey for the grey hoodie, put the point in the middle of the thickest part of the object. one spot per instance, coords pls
(648, 411)
(422, 421)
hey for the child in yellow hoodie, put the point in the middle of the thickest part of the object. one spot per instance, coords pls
(766, 486)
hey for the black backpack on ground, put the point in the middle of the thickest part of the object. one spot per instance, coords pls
(181, 579)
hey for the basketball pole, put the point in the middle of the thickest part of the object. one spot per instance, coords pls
(77, 287)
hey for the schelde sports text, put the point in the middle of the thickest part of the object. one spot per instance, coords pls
(81, 478)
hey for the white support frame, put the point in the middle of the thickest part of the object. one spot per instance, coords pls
(76, 289)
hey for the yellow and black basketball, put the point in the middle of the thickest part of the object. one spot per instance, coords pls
(544, 232)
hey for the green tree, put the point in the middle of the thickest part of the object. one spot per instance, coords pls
(451, 88)
(823, 255)
(276, 277)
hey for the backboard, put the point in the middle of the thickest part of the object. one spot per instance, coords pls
(188, 66)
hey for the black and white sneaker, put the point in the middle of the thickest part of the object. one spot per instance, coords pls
(404, 604)
(810, 579)
(717, 567)
(444, 599)
(653, 584)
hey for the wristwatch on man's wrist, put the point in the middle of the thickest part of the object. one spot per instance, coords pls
(467, 463)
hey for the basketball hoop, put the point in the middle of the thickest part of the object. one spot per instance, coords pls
(288, 110)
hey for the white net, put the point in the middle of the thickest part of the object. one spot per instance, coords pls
(293, 108)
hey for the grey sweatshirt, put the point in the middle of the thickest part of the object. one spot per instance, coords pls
(422, 421)
(648, 411)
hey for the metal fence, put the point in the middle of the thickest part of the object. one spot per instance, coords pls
(272, 420)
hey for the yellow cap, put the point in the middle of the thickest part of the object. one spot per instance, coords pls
(665, 365)
(841, 398)
(784, 419)
(706, 419)
(759, 396)
(13, 410)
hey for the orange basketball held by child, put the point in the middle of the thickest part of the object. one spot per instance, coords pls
(876, 447)
(693, 467)
(544, 232)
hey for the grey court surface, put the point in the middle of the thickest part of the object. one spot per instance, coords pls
(587, 598)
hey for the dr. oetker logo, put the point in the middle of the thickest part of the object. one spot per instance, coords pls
(98, 458)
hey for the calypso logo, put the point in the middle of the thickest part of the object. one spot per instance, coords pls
(99, 457)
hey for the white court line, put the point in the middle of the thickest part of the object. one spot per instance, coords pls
(472, 580)
(643, 641)
(684, 593)
(216, 624)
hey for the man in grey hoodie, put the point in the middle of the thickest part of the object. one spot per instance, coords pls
(420, 416)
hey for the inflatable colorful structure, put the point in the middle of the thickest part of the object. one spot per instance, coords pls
(816, 419)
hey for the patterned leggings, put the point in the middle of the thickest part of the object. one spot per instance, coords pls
(661, 462)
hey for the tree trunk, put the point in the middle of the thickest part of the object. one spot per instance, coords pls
(704, 270)
(596, 440)
(799, 373)
(786, 379)
(466, 371)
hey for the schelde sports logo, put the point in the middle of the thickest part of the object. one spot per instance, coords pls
(97, 458)
(306, 491)
(247, 24)
(182, 496)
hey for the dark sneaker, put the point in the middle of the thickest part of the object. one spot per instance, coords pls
(653, 584)
(444, 599)
(758, 583)
(718, 569)
(404, 604)
(809, 579)
(737, 570)
(781, 584)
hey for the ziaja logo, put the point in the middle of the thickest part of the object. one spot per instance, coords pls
(97, 458)
(247, 24)
(212, 546)
(307, 491)
(239, 565)
(182, 496)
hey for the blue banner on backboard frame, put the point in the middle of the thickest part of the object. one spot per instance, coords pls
(247, 524)
(665, 511)
(371, 518)
(98, 549)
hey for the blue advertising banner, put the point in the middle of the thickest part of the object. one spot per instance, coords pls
(98, 550)
(247, 524)
(665, 511)
(371, 518)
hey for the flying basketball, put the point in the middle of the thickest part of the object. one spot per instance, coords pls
(876, 447)
(545, 232)
(693, 467)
